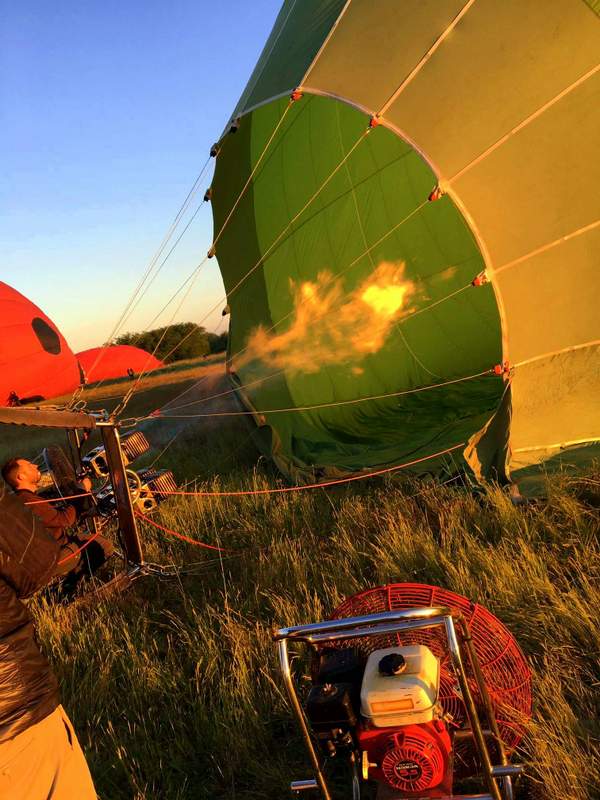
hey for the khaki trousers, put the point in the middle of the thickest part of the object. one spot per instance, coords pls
(45, 762)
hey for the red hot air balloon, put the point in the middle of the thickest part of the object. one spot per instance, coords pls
(35, 360)
(117, 361)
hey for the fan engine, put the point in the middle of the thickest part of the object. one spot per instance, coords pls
(402, 736)
(399, 727)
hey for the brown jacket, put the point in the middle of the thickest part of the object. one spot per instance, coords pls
(28, 555)
(55, 520)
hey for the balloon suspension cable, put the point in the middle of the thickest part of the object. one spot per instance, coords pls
(129, 394)
(211, 252)
(138, 293)
(283, 232)
(148, 326)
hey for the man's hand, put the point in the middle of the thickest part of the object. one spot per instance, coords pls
(87, 484)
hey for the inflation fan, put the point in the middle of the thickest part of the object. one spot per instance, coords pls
(418, 690)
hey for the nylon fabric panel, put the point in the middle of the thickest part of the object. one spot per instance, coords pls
(383, 182)
(501, 63)
(542, 184)
(376, 45)
(557, 403)
(594, 5)
(548, 306)
(299, 31)
(538, 187)
(284, 15)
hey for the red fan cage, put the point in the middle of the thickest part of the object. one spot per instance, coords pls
(504, 667)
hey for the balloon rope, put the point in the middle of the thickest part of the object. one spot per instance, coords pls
(180, 535)
(138, 293)
(179, 289)
(137, 338)
(129, 394)
(79, 550)
(322, 485)
(333, 404)
(127, 397)
(58, 499)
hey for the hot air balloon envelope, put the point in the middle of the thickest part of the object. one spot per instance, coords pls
(413, 265)
(35, 359)
(104, 363)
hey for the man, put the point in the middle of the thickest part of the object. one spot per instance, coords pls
(24, 477)
(40, 757)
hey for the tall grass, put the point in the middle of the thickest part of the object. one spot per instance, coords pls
(174, 686)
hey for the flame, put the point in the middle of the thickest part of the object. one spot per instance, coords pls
(385, 300)
(331, 327)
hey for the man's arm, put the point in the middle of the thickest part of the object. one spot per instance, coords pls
(54, 519)
(28, 553)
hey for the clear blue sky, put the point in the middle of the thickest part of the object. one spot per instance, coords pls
(107, 113)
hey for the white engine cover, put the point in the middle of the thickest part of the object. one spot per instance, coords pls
(409, 698)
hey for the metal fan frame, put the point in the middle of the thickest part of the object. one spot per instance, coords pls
(497, 777)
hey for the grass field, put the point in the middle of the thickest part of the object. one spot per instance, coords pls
(174, 687)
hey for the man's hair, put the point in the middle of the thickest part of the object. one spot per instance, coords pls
(10, 470)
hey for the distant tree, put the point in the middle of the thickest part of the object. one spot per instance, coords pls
(217, 342)
(177, 342)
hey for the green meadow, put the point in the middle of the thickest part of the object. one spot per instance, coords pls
(174, 686)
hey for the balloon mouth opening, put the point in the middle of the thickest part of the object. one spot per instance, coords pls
(340, 261)
(46, 336)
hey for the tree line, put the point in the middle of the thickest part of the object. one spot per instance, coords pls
(181, 341)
